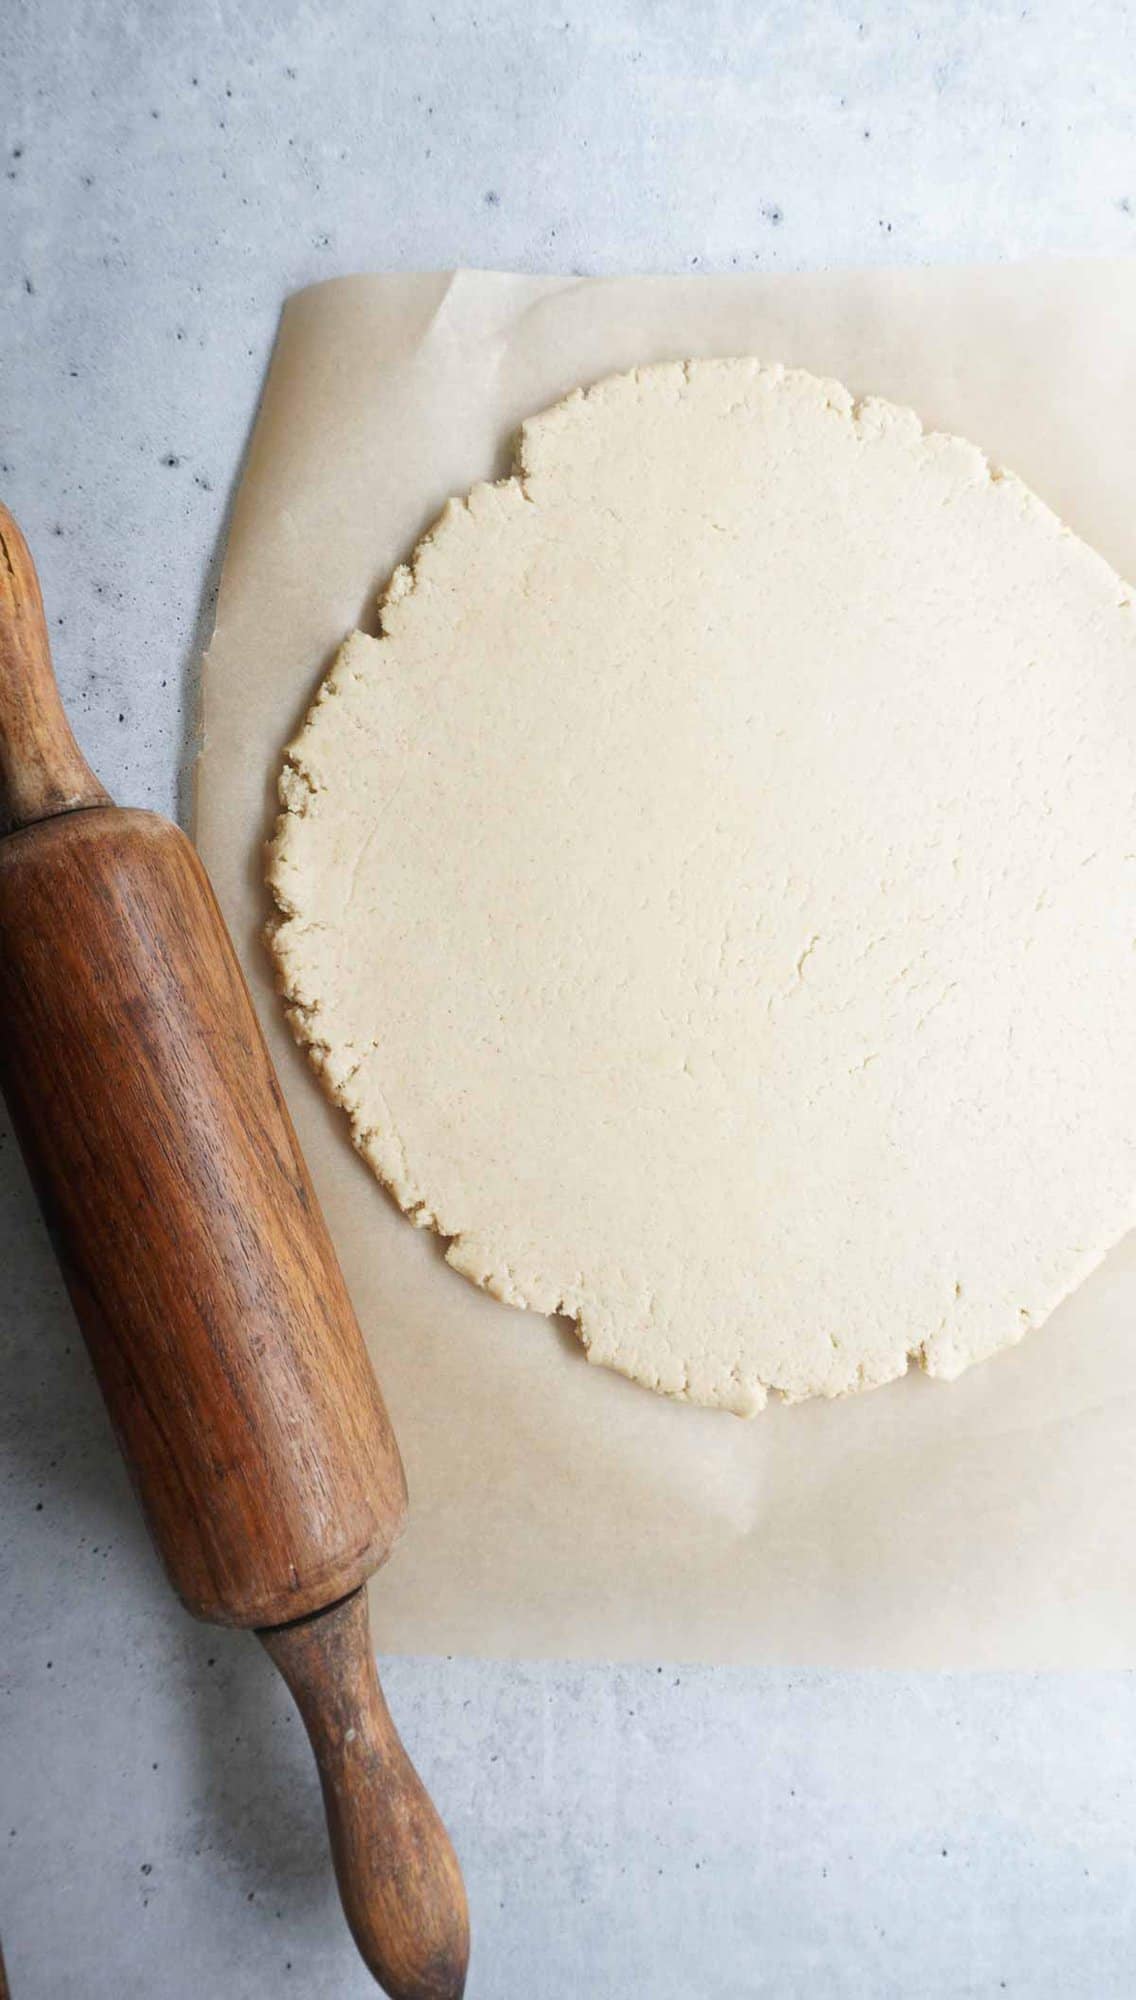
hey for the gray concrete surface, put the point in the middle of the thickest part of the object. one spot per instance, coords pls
(167, 173)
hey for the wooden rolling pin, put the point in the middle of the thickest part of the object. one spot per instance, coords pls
(204, 1279)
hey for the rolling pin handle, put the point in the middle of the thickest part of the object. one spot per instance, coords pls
(42, 769)
(399, 1880)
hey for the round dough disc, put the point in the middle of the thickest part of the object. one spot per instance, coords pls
(711, 899)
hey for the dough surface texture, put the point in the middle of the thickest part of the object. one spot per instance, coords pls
(712, 897)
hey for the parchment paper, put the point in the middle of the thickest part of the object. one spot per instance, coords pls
(557, 1509)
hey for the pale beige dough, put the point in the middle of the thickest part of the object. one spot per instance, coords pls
(712, 899)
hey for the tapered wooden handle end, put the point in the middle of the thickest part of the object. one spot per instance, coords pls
(42, 769)
(399, 1879)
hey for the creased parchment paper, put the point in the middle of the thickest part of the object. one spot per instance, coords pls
(556, 1508)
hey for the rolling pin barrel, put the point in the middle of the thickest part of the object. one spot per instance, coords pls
(199, 1264)
(204, 1279)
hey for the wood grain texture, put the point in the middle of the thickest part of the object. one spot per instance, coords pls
(398, 1876)
(204, 1279)
(200, 1266)
(42, 770)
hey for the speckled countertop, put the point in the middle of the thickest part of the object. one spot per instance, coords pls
(168, 173)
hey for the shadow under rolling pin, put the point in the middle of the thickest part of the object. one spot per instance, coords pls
(204, 1279)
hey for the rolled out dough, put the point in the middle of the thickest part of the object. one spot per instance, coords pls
(712, 898)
